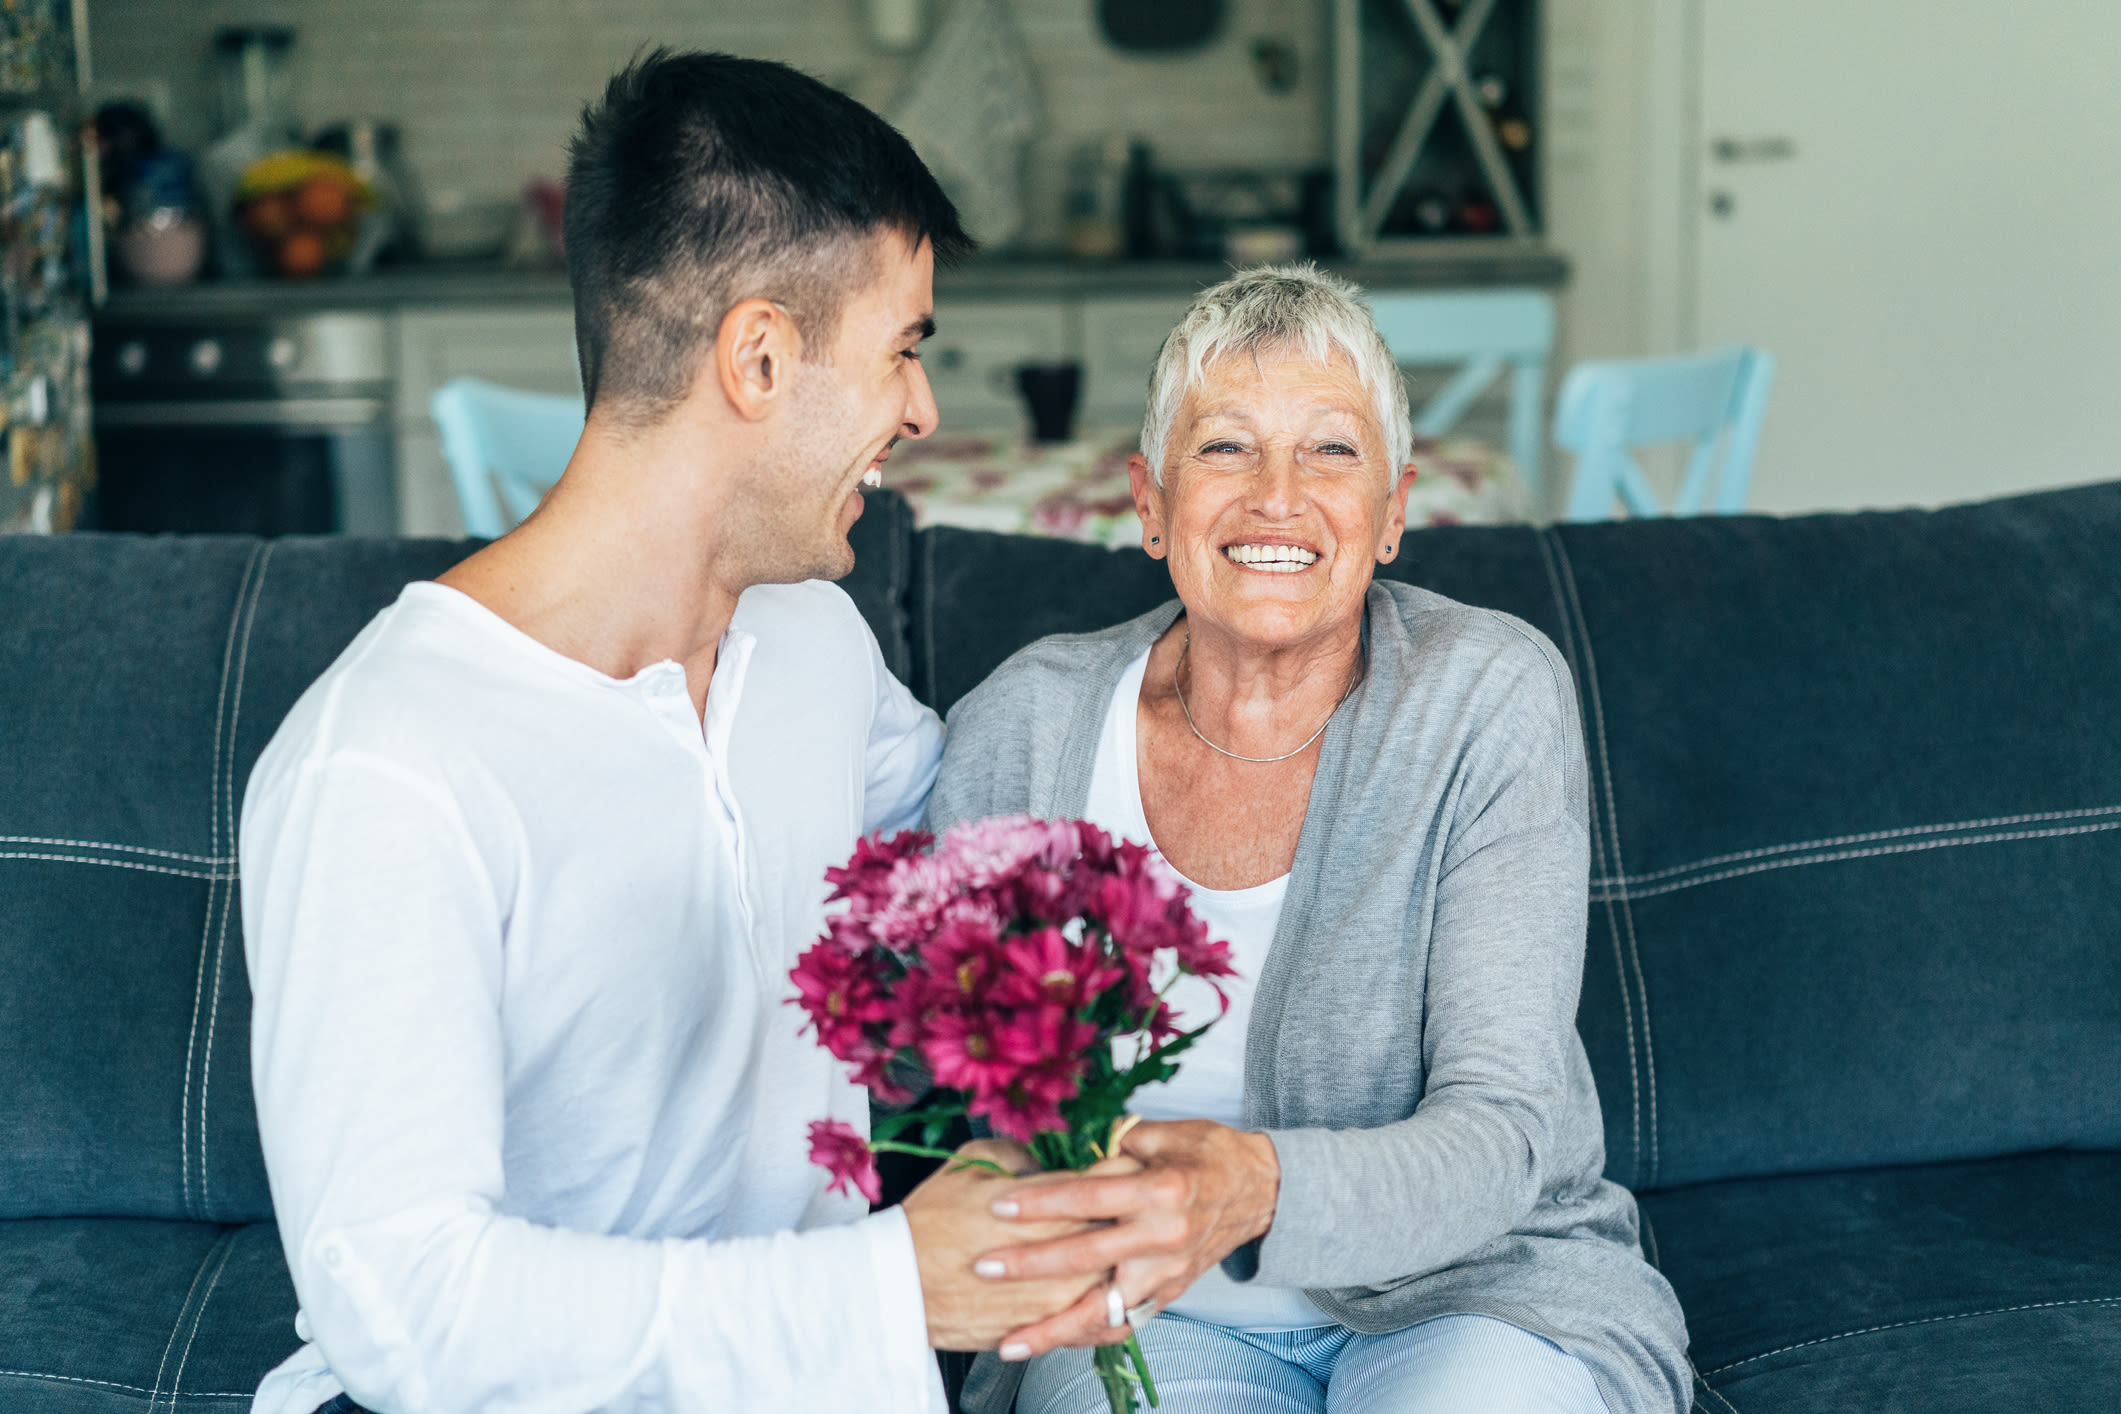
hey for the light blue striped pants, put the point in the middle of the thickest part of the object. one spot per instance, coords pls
(1450, 1365)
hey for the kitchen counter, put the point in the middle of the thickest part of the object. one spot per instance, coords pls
(1452, 264)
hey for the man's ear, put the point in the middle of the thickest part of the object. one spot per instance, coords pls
(753, 351)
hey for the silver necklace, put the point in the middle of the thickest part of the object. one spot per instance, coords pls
(1180, 671)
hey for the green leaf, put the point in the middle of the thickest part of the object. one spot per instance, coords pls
(932, 1120)
(1158, 1065)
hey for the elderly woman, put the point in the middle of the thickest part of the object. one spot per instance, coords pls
(1376, 1184)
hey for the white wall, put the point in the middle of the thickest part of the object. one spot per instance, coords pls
(487, 91)
(1596, 172)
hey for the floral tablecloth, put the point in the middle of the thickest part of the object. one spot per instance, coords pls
(1078, 490)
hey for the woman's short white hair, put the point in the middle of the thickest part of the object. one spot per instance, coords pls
(1282, 309)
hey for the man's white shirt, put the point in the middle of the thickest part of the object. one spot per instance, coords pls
(533, 1109)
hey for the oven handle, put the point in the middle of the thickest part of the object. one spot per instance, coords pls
(281, 413)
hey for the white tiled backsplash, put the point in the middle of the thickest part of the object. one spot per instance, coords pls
(486, 91)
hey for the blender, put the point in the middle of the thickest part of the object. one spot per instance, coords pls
(251, 64)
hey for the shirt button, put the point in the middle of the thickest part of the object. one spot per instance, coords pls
(334, 1255)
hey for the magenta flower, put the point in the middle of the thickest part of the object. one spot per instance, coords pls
(1006, 962)
(964, 1051)
(1042, 968)
(841, 1152)
(840, 993)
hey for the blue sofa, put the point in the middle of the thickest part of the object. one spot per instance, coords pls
(1853, 989)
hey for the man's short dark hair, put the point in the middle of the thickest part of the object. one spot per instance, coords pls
(702, 180)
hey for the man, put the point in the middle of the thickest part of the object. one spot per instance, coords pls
(526, 869)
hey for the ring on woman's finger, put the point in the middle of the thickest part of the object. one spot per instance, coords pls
(1115, 1306)
(1139, 1316)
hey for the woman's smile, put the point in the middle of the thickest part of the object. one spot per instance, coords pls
(1270, 557)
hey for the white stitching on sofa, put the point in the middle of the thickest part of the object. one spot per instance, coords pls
(118, 864)
(1910, 847)
(198, 1319)
(228, 902)
(1542, 538)
(135, 1389)
(215, 859)
(1633, 880)
(1620, 868)
(1620, 971)
(1721, 1397)
(206, 926)
(171, 1343)
(1924, 1321)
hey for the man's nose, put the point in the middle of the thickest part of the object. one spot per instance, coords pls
(921, 417)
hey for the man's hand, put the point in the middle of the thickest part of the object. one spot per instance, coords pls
(1206, 1190)
(953, 1222)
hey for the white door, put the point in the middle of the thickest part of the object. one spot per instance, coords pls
(1915, 205)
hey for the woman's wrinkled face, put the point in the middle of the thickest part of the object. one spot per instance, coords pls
(1277, 499)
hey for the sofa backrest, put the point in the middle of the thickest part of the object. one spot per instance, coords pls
(1856, 796)
(139, 680)
(1856, 784)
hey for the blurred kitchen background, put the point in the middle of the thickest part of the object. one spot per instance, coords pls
(310, 216)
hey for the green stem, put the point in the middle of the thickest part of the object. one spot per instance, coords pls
(1141, 1368)
(1110, 1362)
(894, 1146)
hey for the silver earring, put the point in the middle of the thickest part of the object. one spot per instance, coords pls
(1156, 539)
(1388, 552)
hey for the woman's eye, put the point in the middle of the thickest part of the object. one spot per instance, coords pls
(1340, 449)
(1223, 447)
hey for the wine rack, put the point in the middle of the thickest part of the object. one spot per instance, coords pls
(1436, 127)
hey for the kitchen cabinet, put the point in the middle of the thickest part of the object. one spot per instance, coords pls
(517, 329)
(1121, 339)
(530, 348)
(978, 345)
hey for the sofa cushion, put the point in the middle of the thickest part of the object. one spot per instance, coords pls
(121, 1025)
(1943, 1289)
(99, 1316)
(139, 680)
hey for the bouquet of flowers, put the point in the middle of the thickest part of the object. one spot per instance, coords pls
(1004, 965)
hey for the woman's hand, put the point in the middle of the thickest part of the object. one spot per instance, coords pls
(1204, 1191)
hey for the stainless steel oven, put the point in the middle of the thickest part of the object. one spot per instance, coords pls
(253, 425)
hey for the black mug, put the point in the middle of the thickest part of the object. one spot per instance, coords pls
(1050, 392)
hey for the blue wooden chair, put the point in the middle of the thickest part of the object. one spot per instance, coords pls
(1713, 400)
(505, 448)
(1485, 332)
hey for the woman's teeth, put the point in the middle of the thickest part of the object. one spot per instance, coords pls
(874, 476)
(1274, 559)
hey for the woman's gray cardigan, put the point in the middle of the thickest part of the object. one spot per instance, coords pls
(1413, 1050)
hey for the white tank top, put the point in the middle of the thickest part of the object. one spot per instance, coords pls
(1210, 1083)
